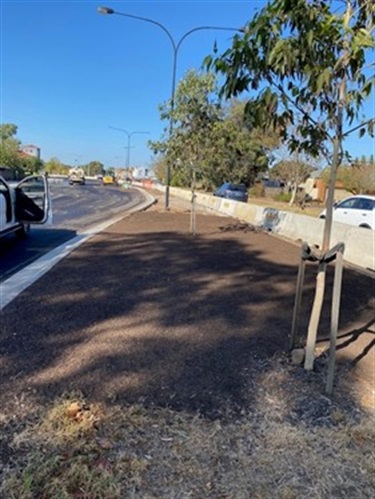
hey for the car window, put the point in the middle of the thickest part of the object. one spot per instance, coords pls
(239, 187)
(223, 187)
(33, 185)
(349, 203)
(366, 204)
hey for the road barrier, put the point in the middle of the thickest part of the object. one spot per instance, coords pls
(359, 242)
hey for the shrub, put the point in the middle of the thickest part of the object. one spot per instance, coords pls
(284, 197)
(257, 191)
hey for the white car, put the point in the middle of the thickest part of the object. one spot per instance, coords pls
(25, 203)
(355, 210)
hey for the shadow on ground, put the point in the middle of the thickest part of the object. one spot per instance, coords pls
(16, 253)
(144, 312)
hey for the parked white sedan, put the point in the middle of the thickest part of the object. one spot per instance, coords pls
(355, 210)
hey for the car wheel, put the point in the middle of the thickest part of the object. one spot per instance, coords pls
(365, 226)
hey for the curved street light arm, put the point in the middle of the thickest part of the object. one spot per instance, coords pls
(120, 130)
(205, 28)
(175, 46)
(129, 135)
(107, 10)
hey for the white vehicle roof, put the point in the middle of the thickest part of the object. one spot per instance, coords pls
(366, 196)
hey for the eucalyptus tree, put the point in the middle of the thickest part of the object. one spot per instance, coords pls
(233, 154)
(307, 65)
(196, 109)
(308, 69)
(158, 167)
(208, 139)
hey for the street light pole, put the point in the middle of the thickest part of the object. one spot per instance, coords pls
(175, 47)
(129, 135)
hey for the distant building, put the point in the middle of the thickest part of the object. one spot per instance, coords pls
(314, 187)
(30, 150)
(139, 173)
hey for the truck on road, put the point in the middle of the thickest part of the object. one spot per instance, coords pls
(77, 176)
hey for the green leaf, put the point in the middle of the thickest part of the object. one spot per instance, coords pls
(323, 80)
(208, 62)
(367, 87)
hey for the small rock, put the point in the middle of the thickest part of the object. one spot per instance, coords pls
(73, 410)
(298, 355)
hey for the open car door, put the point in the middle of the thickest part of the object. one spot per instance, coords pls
(33, 203)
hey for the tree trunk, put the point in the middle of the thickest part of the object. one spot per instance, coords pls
(321, 276)
(294, 194)
(315, 316)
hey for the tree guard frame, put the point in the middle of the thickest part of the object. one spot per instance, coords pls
(311, 254)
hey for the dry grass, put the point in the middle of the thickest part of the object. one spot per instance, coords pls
(311, 209)
(294, 443)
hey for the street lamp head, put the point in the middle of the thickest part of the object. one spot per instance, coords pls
(105, 10)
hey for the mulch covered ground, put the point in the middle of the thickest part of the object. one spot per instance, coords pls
(145, 315)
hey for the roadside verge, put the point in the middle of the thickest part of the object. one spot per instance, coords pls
(359, 242)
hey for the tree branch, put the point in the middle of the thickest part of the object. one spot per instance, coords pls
(358, 127)
(300, 109)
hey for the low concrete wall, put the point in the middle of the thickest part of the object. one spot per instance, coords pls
(359, 243)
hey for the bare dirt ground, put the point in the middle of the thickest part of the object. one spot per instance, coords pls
(177, 349)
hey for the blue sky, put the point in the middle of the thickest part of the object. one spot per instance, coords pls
(69, 73)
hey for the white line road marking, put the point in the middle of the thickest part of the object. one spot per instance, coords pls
(14, 285)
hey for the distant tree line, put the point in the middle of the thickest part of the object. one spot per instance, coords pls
(357, 176)
(21, 165)
(10, 155)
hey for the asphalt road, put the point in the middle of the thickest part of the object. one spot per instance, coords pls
(75, 208)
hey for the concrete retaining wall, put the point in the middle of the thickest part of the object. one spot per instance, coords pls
(359, 243)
